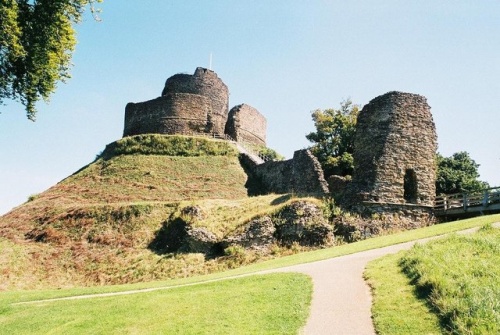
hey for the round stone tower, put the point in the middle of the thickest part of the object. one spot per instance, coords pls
(205, 83)
(189, 104)
(394, 152)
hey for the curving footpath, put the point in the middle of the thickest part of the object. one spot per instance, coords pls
(341, 302)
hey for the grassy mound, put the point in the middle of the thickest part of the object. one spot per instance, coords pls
(168, 145)
(110, 243)
(96, 226)
(144, 173)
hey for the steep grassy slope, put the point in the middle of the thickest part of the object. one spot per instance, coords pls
(141, 169)
(96, 226)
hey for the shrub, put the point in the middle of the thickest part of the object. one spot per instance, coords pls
(32, 197)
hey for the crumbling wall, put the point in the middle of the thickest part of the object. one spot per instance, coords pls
(302, 174)
(246, 124)
(394, 152)
(276, 176)
(174, 113)
(189, 103)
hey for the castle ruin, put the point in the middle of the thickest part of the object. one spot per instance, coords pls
(195, 104)
(394, 152)
(246, 124)
(394, 149)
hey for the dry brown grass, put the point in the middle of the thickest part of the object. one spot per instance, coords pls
(95, 226)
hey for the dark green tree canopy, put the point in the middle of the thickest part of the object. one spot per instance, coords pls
(334, 138)
(457, 174)
(37, 41)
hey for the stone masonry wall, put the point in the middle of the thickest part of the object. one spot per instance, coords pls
(195, 103)
(246, 124)
(302, 174)
(394, 152)
(189, 103)
(167, 115)
(206, 83)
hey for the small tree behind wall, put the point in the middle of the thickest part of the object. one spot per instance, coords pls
(458, 173)
(334, 138)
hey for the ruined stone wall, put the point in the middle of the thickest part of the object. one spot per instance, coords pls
(394, 151)
(189, 104)
(206, 83)
(246, 124)
(168, 115)
(308, 176)
(302, 174)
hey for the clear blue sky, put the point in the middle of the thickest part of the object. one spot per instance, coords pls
(285, 58)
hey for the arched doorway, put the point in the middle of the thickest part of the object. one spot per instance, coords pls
(410, 186)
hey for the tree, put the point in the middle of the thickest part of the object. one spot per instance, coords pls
(334, 138)
(458, 174)
(37, 41)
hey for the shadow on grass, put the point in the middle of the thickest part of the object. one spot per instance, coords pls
(169, 238)
(281, 200)
(423, 292)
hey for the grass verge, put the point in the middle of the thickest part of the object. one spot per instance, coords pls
(460, 277)
(372, 243)
(450, 285)
(396, 309)
(270, 304)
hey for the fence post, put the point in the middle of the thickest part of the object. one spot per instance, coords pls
(485, 198)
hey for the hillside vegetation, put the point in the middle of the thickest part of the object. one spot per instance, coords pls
(98, 225)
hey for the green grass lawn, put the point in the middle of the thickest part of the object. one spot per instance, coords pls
(449, 285)
(270, 304)
(396, 310)
(115, 311)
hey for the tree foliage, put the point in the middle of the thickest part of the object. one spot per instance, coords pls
(37, 41)
(458, 173)
(334, 138)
